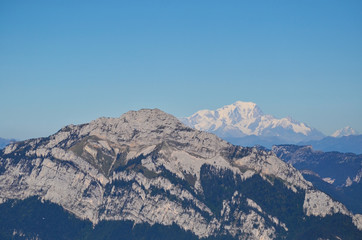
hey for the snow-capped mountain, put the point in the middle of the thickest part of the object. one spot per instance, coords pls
(346, 131)
(146, 167)
(245, 119)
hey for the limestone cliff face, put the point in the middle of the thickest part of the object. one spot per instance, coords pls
(146, 166)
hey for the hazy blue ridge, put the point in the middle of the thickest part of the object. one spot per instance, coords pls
(346, 144)
(318, 165)
(252, 140)
(4, 142)
(352, 143)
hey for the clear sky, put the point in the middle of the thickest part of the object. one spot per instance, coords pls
(64, 62)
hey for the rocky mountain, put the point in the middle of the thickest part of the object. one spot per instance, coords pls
(146, 175)
(346, 131)
(338, 174)
(345, 144)
(245, 124)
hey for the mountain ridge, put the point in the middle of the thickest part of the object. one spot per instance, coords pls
(148, 167)
(338, 174)
(344, 144)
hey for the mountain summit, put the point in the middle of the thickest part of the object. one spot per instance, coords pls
(245, 119)
(148, 169)
(346, 131)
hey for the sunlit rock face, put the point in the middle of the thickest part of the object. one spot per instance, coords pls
(148, 167)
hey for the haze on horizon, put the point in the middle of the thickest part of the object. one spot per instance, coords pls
(66, 62)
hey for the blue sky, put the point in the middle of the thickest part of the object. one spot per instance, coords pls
(66, 62)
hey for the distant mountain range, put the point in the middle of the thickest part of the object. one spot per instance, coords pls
(337, 174)
(246, 119)
(244, 123)
(4, 142)
(352, 143)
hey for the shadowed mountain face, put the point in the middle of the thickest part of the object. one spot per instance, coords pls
(338, 174)
(244, 123)
(148, 169)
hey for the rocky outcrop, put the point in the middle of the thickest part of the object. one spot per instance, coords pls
(320, 204)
